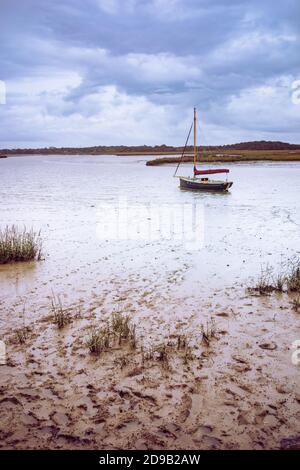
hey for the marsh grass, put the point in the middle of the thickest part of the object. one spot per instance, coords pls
(162, 354)
(118, 331)
(22, 334)
(265, 283)
(159, 353)
(296, 304)
(61, 316)
(188, 355)
(279, 282)
(287, 281)
(19, 245)
(208, 331)
(122, 361)
(119, 334)
(293, 278)
(181, 342)
(98, 340)
(123, 329)
(147, 354)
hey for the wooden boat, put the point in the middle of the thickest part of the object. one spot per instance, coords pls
(201, 184)
(3, 156)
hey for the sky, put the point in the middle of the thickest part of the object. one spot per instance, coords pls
(129, 72)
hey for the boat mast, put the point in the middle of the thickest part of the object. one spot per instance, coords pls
(195, 138)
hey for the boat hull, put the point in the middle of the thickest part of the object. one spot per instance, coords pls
(204, 184)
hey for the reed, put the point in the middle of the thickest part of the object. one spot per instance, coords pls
(147, 354)
(123, 329)
(22, 334)
(119, 333)
(279, 282)
(188, 355)
(296, 304)
(264, 284)
(61, 316)
(293, 278)
(159, 353)
(181, 342)
(287, 281)
(118, 330)
(19, 245)
(208, 332)
(98, 340)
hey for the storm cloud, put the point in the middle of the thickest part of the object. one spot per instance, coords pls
(109, 72)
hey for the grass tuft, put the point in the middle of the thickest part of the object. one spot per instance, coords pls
(279, 282)
(61, 316)
(293, 278)
(282, 282)
(98, 340)
(296, 304)
(123, 329)
(119, 330)
(264, 284)
(19, 245)
(22, 334)
(208, 332)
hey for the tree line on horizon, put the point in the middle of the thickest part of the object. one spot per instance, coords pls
(118, 149)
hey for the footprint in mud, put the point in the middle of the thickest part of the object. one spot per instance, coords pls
(284, 389)
(129, 425)
(269, 346)
(185, 408)
(202, 430)
(150, 441)
(29, 420)
(169, 430)
(85, 405)
(72, 441)
(10, 407)
(244, 418)
(61, 419)
(211, 442)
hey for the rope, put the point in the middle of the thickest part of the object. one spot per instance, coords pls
(186, 142)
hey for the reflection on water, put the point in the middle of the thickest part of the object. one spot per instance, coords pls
(103, 217)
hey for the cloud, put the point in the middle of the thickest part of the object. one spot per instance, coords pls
(106, 115)
(90, 73)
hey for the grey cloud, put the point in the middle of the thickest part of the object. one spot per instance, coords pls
(197, 52)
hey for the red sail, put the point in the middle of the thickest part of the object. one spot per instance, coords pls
(209, 172)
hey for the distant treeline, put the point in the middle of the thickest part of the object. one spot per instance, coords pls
(146, 149)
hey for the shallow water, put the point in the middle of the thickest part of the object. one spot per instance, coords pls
(107, 216)
(122, 236)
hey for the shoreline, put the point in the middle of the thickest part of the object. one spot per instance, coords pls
(226, 159)
(174, 158)
(55, 395)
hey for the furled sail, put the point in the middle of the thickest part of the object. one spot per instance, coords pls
(209, 172)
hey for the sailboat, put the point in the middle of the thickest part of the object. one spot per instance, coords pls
(201, 184)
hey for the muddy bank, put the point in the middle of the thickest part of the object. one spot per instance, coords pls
(239, 391)
(250, 156)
